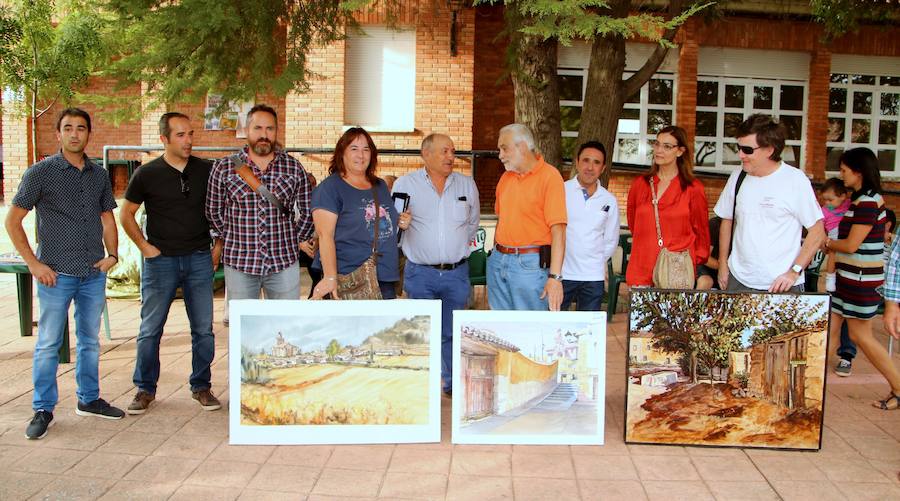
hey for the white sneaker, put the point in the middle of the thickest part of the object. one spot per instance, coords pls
(830, 282)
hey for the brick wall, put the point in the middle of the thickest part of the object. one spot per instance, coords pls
(102, 131)
(16, 156)
(444, 98)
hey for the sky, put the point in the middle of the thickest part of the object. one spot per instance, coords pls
(530, 337)
(310, 333)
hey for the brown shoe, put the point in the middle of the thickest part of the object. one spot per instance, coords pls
(207, 401)
(141, 402)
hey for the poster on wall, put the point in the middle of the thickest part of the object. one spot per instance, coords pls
(726, 369)
(528, 377)
(234, 118)
(334, 372)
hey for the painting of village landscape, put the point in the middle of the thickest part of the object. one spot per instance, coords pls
(312, 372)
(726, 369)
(528, 377)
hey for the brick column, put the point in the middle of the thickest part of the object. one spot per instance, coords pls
(16, 148)
(686, 102)
(817, 111)
(150, 125)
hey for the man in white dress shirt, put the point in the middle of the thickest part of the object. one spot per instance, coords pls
(592, 233)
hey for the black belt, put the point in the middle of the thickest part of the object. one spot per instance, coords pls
(447, 267)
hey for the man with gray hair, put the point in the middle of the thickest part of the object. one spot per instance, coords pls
(445, 212)
(525, 271)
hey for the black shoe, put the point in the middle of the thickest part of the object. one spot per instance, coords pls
(37, 428)
(99, 408)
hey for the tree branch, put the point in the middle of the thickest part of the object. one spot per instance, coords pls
(634, 83)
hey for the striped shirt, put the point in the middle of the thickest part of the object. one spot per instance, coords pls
(259, 238)
(866, 265)
(69, 202)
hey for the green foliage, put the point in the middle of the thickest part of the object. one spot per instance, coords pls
(705, 326)
(844, 16)
(790, 314)
(566, 20)
(186, 49)
(48, 60)
(333, 348)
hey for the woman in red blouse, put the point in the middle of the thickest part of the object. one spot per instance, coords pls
(683, 210)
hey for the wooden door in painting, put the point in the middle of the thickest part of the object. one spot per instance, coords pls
(777, 374)
(478, 375)
(798, 351)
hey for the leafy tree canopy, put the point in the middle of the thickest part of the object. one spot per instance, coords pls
(183, 50)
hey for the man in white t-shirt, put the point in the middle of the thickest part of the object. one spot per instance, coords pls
(592, 233)
(775, 201)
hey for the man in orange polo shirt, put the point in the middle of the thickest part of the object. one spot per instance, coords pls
(524, 271)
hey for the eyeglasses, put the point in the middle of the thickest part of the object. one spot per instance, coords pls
(665, 146)
(185, 187)
(747, 150)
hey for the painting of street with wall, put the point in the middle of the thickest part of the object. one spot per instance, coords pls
(334, 372)
(723, 369)
(528, 377)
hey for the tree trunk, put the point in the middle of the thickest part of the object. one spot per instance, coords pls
(536, 87)
(694, 366)
(603, 100)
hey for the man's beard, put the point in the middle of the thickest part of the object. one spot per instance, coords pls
(261, 146)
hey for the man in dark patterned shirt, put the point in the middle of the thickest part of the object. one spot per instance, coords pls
(74, 201)
(260, 231)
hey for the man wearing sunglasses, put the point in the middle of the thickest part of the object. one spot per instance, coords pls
(775, 201)
(176, 252)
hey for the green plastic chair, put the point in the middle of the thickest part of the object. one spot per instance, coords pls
(615, 279)
(478, 268)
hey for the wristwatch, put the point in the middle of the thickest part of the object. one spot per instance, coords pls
(554, 276)
(796, 268)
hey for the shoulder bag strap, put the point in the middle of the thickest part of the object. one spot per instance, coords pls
(655, 202)
(377, 219)
(737, 187)
(246, 174)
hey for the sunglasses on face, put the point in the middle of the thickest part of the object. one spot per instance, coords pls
(664, 146)
(185, 187)
(747, 150)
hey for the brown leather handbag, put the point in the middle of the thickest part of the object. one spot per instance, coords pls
(362, 283)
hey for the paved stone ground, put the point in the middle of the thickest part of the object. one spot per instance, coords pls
(177, 451)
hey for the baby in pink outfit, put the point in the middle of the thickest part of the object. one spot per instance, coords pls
(836, 202)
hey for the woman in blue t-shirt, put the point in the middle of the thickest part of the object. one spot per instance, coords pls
(345, 214)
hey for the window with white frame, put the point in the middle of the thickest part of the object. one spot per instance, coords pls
(380, 79)
(644, 113)
(723, 103)
(863, 110)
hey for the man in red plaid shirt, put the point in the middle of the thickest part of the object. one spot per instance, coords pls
(258, 209)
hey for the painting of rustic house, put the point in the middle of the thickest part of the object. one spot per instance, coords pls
(726, 369)
(306, 372)
(528, 377)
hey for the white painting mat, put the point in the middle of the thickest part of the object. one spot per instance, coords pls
(294, 312)
(522, 332)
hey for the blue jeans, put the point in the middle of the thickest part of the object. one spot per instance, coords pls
(89, 294)
(588, 296)
(516, 282)
(847, 349)
(160, 278)
(452, 288)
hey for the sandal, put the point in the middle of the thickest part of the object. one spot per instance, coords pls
(883, 404)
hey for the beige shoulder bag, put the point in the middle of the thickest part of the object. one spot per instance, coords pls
(673, 270)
